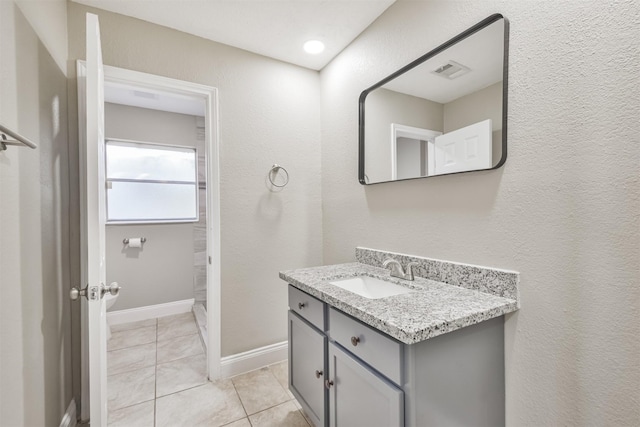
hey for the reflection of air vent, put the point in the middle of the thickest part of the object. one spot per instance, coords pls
(451, 70)
(141, 94)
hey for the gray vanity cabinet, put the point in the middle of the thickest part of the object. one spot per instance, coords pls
(307, 367)
(328, 380)
(359, 396)
(345, 373)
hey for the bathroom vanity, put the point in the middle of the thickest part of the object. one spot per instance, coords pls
(431, 356)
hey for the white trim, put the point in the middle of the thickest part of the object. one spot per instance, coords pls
(70, 418)
(149, 312)
(214, 274)
(253, 359)
(81, 77)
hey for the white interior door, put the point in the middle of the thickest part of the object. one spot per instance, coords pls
(93, 227)
(465, 149)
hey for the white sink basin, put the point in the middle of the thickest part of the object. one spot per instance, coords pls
(370, 287)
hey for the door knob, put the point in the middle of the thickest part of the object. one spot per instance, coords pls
(76, 293)
(328, 384)
(318, 374)
(113, 289)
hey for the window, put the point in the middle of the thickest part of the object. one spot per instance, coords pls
(150, 183)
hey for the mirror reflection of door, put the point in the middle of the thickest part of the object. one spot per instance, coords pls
(409, 151)
(465, 149)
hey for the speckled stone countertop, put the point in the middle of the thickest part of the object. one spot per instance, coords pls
(434, 308)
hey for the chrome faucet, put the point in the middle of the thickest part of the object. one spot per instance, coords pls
(398, 271)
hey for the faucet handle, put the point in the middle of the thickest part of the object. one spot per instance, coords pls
(396, 268)
(408, 275)
(388, 261)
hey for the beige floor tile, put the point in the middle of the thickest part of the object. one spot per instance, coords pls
(178, 325)
(133, 325)
(130, 338)
(212, 404)
(131, 358)
(281, 372)
(181, 374)
(130, 388)
(240, 423)
(177, 348)
(259, 390)
(283, 415)
(165, 320)
(304, 414)
(140, 415)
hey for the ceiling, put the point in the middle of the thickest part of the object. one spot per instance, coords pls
(135, 96)
(273, 28)
(482, 53)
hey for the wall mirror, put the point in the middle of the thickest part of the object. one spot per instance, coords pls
(444, 113)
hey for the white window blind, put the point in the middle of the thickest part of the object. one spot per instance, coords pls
(150, 183)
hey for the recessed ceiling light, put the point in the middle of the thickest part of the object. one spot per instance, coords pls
(314, 47)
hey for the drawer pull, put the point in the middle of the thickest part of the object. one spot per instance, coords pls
(318, 374)
(328, 384)
(355, 341)
(301, 305)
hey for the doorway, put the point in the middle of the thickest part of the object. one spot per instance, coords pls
(178, 97)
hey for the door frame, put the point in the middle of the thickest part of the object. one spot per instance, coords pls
(212, 149)
(404, 131)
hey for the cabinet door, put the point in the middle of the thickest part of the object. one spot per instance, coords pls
(307, 368)
(360, 397)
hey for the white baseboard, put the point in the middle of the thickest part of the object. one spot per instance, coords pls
(70, 417)
(253, 359)
(149, 312)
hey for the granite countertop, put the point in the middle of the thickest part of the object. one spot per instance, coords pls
(434, 308)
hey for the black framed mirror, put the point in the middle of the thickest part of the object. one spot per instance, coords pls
(444, 113)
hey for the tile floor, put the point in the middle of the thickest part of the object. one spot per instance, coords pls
(157, 377)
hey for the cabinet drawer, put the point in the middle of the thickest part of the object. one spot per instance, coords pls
(308, 307)
(375, 348)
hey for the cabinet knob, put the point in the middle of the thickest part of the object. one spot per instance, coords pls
(318, 374)
(355, 341)
(328, 384)
(301, 305)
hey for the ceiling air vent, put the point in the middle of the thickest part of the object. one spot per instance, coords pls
(451, 70)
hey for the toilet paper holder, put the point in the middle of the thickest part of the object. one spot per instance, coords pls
(126, 240)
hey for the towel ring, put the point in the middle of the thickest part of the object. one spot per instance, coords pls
(273, 171)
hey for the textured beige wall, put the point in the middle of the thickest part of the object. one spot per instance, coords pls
(35, 342)
(269, 114)
(473, 108)
(162, 271)
(563, 211)
(48, 18)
